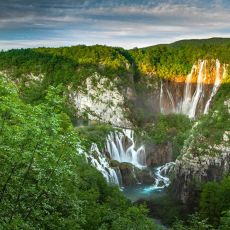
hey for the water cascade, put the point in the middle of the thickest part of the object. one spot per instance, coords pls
(198, 92)
(199, 88)
(121, 147)
(215, 88)
(161, 177)
(100, 162)
(185, 107)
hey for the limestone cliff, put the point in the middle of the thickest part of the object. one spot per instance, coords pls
(158, 154)
(202, 160)
(98, 99)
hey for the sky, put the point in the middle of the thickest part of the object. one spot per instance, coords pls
(127, 23)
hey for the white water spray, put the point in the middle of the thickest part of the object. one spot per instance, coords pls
(121, 147)
(161, 177)
(99, 161)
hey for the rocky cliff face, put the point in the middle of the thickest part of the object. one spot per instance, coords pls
(99, 100)
(200, 163)
(191, 172)
(158, 154)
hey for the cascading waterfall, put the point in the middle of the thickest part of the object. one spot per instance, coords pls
(100, 162)
(198, 92)
(121, 147)
(161, 177)
(196, 96)
(161, 98)
(215, 88)
(185, 107)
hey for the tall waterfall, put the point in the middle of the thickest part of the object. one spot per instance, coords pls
(199, 88)
(122, 147)
(215, 88)
(185, 107)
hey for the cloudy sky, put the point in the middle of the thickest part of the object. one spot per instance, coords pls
(127, 23)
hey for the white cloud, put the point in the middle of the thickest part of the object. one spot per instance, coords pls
(126, 25)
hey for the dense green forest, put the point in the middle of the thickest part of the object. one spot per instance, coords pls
(72, 64)
(46, 182)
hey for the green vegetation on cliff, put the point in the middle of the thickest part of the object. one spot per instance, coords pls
(212, 129)
(72, 64)
(173, 128)
(215, 201)
(168, 61)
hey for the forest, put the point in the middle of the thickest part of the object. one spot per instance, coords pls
(46, 181)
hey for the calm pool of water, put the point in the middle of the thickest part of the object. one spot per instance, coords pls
(142, 191)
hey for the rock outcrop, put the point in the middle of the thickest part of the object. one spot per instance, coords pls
(198, 164)
(158, 154)
(191, 173)
(132, 175)
(99, 100)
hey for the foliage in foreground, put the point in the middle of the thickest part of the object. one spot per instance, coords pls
(45, 183)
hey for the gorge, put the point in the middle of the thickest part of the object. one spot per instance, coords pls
(83, 128)
(192, 96)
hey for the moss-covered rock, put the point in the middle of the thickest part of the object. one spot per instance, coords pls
(132, 175)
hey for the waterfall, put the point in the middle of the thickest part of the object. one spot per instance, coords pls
(215, 86)
(198, 92)
(161, 179)
(100, 162)
(171, 100)
(121, 147)
(161, 98)
(193, 100)
(187, 92)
